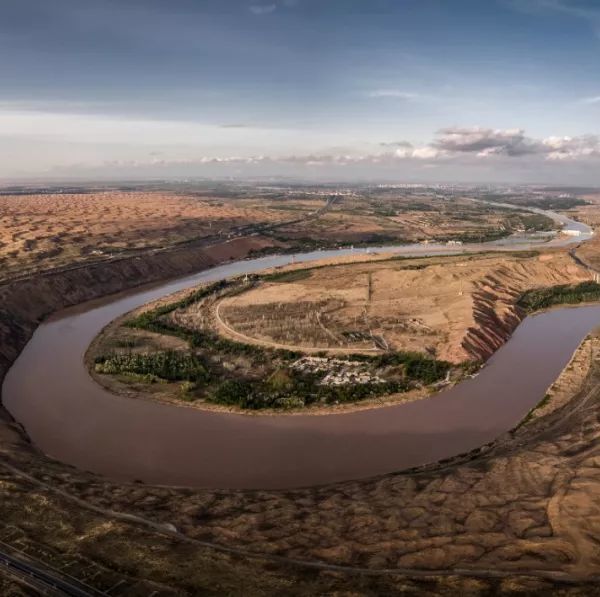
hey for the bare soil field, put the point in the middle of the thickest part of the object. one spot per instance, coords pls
(171, 350)
(459, 308)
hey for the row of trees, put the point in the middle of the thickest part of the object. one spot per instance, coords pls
(303, 391)
(169, 365)
(565, 294)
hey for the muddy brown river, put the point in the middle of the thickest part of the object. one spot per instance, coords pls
(71, 418)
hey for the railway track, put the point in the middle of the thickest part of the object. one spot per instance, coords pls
(43, 579)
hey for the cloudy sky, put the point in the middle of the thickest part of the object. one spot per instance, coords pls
(426, 90)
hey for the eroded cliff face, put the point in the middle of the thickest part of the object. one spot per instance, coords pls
(25, 303)
(496, 314)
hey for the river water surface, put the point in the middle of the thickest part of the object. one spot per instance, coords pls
(70, 417)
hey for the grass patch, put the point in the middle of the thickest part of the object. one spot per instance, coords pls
(126, 343)
(146, 378)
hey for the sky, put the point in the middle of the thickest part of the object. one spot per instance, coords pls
(395, 90)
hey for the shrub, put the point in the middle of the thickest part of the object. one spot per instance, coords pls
(186, 390)
(289, 402)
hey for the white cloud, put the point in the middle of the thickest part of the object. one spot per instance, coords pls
(513, 143)
(485, 142)
(468, 152)
(427, 153)
(34, 143)
(262, 9)
(590, 100)
(566, 161)
(573, 148)
(395, 93)
(573, 8)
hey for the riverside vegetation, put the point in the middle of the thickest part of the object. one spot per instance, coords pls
(564, 294)
(219, 370)
(206, 365)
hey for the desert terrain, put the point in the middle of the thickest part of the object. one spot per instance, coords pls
(44, 231)
(516, 517)
(519, 516)
(39, 231)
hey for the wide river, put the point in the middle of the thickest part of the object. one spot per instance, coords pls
(71, 418)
